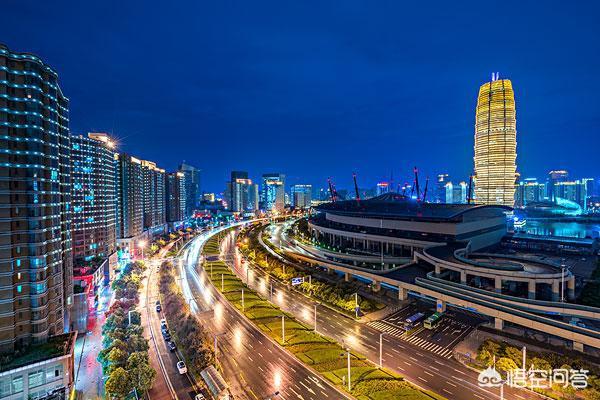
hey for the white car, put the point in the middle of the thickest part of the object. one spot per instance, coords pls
(181, 368)
(199, 396)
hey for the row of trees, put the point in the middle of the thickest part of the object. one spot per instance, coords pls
(191, 338)
(339, 295)
(508, 358)
(124, 357)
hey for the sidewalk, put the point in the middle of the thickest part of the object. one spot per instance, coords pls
(88, 371)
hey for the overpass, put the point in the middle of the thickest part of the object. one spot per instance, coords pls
(527, 313)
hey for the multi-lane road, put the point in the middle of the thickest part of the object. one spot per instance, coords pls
(428, 369)
(254, 366)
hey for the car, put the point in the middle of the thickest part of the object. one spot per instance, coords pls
(181, 367)
(158, 308)
(163, 322)
(199, 396)
(172, 346)
(166, 334)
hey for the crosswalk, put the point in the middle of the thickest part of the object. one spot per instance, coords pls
(413, 339)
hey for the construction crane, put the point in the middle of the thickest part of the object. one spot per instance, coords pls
(356, 188)
(417, 183)
(425, 191)
(332, 191)
(469, 193)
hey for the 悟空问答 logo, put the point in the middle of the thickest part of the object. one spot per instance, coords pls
(489, 378)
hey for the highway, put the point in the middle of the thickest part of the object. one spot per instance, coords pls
(254, 366)
(426, 369)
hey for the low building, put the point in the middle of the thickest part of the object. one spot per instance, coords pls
(44, 371)
(395, 225)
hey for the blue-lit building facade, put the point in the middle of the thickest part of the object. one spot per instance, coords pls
(94, 197)
(35, 199)
(301, 195)
(273, 191)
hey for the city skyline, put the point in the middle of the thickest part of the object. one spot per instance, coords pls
(305, 98)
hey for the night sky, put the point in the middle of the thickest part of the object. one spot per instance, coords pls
(318, 89)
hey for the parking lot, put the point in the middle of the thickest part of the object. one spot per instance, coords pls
(440, 340)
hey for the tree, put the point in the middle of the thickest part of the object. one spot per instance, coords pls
(117, 356)
(514, 354)
(485, 357)
(118, 384)
(506, 364)
(540, 363)
(141, 374)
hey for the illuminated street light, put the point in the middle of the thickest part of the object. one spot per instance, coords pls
(141, 245)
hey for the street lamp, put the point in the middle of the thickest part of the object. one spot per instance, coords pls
(315, 315)
(141, 245)
(215, 343)
(283, 329)
(381, 350)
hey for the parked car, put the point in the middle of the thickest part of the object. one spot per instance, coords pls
(158, 308)
(199, 396)
(181, 368)
(163, 322)
(172, 346)
(166, 334)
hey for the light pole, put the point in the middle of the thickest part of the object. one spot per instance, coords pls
(381, 350)
(315, 315)
(349, 384)
(283, 329)
(222, 283)
(356, 304)
(562, 283)
(243, 305)
(141, 245)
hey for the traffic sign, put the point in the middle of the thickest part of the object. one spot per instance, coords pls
(297, 281)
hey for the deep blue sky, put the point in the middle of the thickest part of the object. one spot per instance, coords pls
(317, 89)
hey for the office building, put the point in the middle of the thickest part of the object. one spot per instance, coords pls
(130, 201)
(93, 196)
(35, 202)
(440, 188)
(241, 193)
(192, 187)
(496, 143)
(176, 196)
(574, 191)
(154, 196)
(301, 196)
(555, 176)
(273, 191)
(529, 191)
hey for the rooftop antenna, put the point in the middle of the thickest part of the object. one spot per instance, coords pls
(356, 188)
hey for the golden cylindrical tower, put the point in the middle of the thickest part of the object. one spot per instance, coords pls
(496, 143)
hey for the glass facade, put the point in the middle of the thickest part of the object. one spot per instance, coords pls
(496, 143)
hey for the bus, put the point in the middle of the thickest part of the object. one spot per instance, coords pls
(433, 320)
(413, 320)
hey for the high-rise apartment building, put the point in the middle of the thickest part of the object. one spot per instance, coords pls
(176, 196)
(36, 270)
(273, 191)
(154, 195)
(529, 191)
(192, 187)
(301, 196)
(93, 196)
(496, 143)
(130, 195)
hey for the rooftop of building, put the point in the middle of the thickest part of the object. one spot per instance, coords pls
(397, 206)
(56, 346)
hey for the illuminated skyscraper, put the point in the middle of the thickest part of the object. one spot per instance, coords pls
(496, 143)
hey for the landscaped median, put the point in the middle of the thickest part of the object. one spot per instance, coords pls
(322, 354)
(191, 338)
(337, 295)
